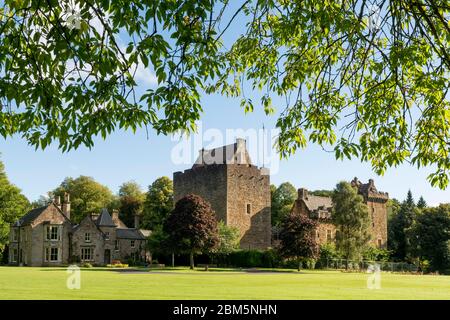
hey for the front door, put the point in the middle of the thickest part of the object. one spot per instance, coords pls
(107, 256)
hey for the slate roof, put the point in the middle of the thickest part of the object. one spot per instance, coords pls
(30, 216)
(105, 220)
(231, 153)
(318, 202)
(129, 233)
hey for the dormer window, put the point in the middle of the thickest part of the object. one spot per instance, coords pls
(87, 237)
(15, 236)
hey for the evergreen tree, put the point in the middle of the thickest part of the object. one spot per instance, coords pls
(421, 204)
(430, 237)
(352, 221)
(400, 226)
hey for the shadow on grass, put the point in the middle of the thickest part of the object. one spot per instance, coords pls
(180, 270)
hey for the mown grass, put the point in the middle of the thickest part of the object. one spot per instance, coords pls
(182, 283)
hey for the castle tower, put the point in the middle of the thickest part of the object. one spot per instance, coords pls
(376, 202)
(238, 191)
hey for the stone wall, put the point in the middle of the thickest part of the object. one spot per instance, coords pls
(378, 213)
(246, 186)
(209, 182)
(126, 250)
(51, 216)
(96, 237)
(229, 188)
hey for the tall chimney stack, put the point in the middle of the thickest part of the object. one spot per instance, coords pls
(137, 221)
(57, 201)
(303, 193)
(66, 205)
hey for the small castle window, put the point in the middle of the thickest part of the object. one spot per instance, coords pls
(116, 245)
(132, 244)
(87, 237)
(329, 238)
(249, 208)
(380, 243)
(106, 235)
(317, 234)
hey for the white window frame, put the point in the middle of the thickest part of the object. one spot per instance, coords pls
(48, 254)
(87, 237)
(133, 243)
(107, 236)
(87, 254)
(49, 232)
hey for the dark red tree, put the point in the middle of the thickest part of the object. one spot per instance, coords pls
(297, 237)
(191, 227)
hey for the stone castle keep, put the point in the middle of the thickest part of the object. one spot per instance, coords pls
(238, 191)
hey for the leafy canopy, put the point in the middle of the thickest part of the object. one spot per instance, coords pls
(367, 78)
(86, 196)
(13, 205)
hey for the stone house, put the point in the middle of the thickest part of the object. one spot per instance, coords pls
(238, 191)
(47, 237)
(320, 208)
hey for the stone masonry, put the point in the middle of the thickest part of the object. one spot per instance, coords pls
(238, 191)
(320, 208)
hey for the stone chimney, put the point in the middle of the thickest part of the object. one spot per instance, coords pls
(57, 201)
(137, 220)
(303, 193)
(66, 205)
(115, 215)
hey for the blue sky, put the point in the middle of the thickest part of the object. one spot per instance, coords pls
(125, 156)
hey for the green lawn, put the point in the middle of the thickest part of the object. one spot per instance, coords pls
(101, 283)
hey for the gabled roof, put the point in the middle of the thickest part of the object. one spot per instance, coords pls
(105, 220)
(235, 153)
(317, 202)
(33, 214)
(129, 233)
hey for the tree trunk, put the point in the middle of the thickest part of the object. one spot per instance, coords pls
(299, 265)
(173, 260)
(191, 258)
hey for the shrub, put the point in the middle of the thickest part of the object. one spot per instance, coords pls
(376, 254)
(328, 252)
(117, 265)
(86, 265)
